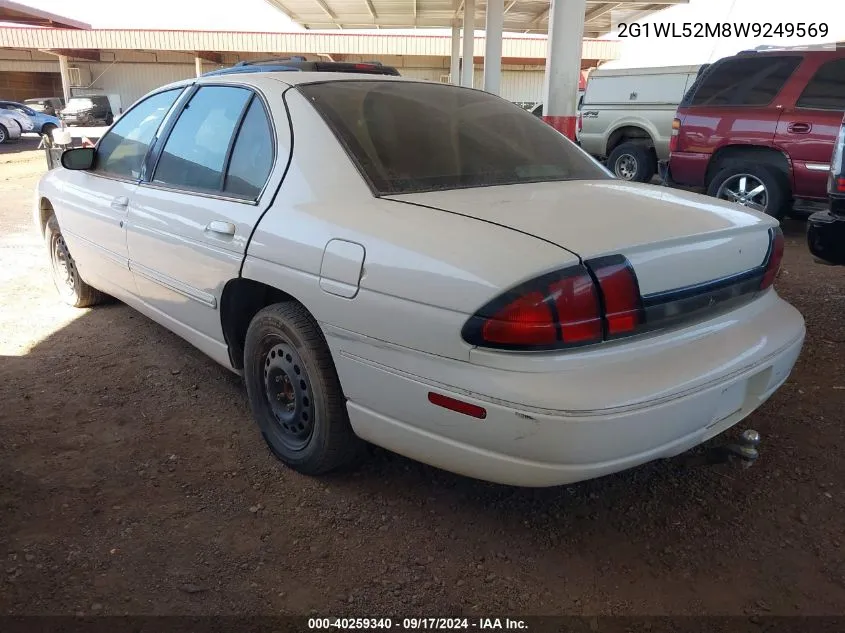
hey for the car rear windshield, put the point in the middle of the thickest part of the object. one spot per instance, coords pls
(409, 137)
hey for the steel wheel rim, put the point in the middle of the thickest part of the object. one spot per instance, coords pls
(626, 167)
(64, 268)
(745, 190)
(287, 389)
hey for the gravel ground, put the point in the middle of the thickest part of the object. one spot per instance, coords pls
(132, 481)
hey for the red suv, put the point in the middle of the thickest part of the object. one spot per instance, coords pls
(758, 128)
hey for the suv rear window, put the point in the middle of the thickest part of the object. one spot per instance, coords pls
(826, 90)
(408, 137)
(743, 81)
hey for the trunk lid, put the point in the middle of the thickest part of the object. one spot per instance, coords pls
(673, 239)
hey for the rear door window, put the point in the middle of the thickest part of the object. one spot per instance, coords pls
(194, 156)
(826, 90)
(252, 155)
(744, 81)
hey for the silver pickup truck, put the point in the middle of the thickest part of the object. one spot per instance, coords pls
(626, 116)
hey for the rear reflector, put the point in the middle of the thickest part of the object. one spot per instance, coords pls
(458, 406)
(774, 259)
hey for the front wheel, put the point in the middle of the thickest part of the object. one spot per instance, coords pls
(294, 391)
(72, 289)
(633, 162)
(4, 134)
(758, 187)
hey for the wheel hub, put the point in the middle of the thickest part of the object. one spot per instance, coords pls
(626, 166)
(288, 393)
(746, 190)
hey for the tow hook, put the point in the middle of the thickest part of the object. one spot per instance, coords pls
(745, 449)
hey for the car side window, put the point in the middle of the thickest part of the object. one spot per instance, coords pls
(252, 154)
(744, 81)
(826, 90)
(122, 150)
(194, 155)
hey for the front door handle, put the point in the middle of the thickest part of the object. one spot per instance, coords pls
(120, 203)
(799, 127)
(222, 228)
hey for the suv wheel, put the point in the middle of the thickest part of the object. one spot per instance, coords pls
(757, 187)
(632, 161)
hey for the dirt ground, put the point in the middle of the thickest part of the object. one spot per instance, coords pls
(132, 481)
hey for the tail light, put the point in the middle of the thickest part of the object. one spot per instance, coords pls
(575, 306)
(774, 258)
(676, 132)
(836, 181)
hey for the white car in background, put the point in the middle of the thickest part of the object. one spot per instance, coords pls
(10, 129)
(426, 267)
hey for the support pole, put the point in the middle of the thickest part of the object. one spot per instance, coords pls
(455, 62)
(198, 65)
(493, 46)
(63, 69)
(563, 65)
(469, 43)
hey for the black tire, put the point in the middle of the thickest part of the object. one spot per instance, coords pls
(109, 119)
(777, 198)
(72, 289)
(47, 129)
(4, 134)
(632, 162)
(294, 391)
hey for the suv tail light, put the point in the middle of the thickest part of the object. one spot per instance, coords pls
(836, 180)
(774, 258)
(676, 131)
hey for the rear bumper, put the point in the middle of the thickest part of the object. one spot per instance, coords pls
(689, 169)
(826, 237)
(545, 428)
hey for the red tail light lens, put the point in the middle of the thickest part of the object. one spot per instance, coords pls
(623, 311)
(557, 310)
(774, 259)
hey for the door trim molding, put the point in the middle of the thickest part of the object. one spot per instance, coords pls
(185, 290)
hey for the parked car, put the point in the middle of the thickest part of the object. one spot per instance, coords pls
(425, 267)
(759, 128)
(10, 130)
(826, 229)
(90, 110)
(300, 64)
(47, 105)
(23, 121)
(626, 116)
(41, 122)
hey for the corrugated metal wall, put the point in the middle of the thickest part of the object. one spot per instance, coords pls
(133, 80)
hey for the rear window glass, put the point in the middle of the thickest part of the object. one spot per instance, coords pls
(408, 137)
(744, 81)
(826, 90)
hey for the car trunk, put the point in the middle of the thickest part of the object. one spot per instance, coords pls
(673, 239)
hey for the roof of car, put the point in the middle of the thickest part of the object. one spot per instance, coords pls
(290, 79)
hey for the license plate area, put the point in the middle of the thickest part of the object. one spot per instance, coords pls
(731, 400)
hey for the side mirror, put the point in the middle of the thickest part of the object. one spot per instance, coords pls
(79, 158)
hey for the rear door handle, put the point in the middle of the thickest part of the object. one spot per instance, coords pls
(799, 127)
(221, 228)
(120, 203)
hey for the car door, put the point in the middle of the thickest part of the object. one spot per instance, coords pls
(191, 220)
(93, 205)
(807, 131)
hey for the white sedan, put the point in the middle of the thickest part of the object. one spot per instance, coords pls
(428, 268)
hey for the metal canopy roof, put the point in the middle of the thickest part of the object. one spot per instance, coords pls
(16, 13)
(527, 16)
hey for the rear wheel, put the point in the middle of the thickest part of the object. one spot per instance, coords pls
(109, 119)
(72, 289)
(759, 187)
(294, 391)
(4, 134)
(632, 161)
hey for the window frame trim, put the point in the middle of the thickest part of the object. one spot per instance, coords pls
(111, 176)
(153, 158)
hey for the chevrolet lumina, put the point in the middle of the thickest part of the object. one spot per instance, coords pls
(424, 267)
